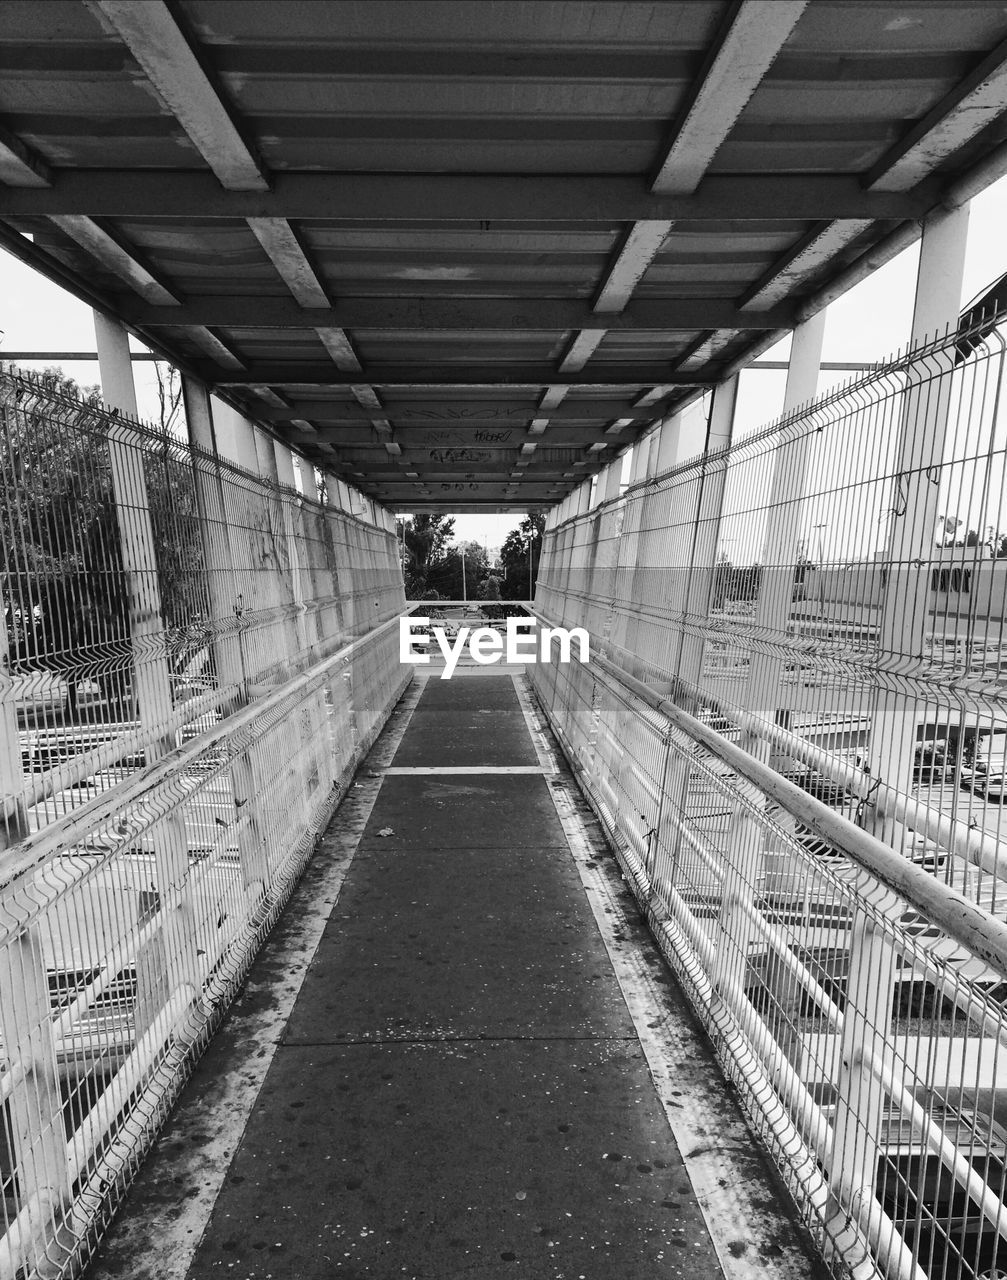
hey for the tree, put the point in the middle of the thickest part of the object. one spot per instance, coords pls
(65, 589)
(489, 588)
(425, 538)
(65, 592)
(520, 556)
(170, 408)
(450, 580)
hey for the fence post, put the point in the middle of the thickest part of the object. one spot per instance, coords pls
(14, 815)
(35, 1114)
(173, 950)
(860, 1096)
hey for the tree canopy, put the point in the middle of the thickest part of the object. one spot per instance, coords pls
(520, 555)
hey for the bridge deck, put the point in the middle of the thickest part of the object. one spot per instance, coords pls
(458, 1084)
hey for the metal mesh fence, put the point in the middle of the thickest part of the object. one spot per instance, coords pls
(195, 662)
(825, 600)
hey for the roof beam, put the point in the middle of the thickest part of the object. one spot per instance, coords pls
(581, 350)
(623, 378)
(123, 262)
(444, 197)
(368, 398)
(339, 347)
(638, 251)
(750, 39)
(215, 347)
(428, 314)
(177, 69)
(807, 257)
(337, 342)
(454, 414)
(974, 102)
(20, 166)
(286, 253)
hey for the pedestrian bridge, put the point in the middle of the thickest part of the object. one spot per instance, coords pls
(688, 953)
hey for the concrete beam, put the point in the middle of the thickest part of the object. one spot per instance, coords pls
(638, 251)
(414, 377)
(431, 313)
(581, 350)
(807, 257)
(215, 347)
(975, 102)
(751, 38)
(337, 343)
(393, 197)
(112, 254)
(453, 414)
(177, 69)
(20, 166)
(287, 255)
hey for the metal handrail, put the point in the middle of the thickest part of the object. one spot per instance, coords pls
(60, 836)
(961, 919)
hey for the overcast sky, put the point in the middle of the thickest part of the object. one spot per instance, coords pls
(868, 323)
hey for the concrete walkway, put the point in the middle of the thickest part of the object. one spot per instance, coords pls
(459, 1088)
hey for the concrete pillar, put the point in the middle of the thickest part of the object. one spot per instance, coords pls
(805, 362)
(692, 587)
(265, 453)
(669, 436)
(873, 964)
(609, 481)
(173, 951)
(115, 365)
(198, 415)
(235, 436)
(686, 584)
(911, 550)
(940, 273)
(641, 458)
(783, 526)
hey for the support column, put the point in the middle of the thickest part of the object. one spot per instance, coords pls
(610, 481)
(284, 462)
(235, 437)
(265, 452)
(783, 529)
(641, 458)
(115, 365)
(229, 660)
(905, 626)
(152, 689)
(697, 581)
(688, 588)
(171, 952)
(669, 438)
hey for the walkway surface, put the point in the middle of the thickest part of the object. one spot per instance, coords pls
(456, 1086)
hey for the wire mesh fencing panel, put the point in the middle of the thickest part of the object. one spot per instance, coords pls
(824, 597)
(196, 660)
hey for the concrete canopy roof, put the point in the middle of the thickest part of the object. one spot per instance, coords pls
(463, 253)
